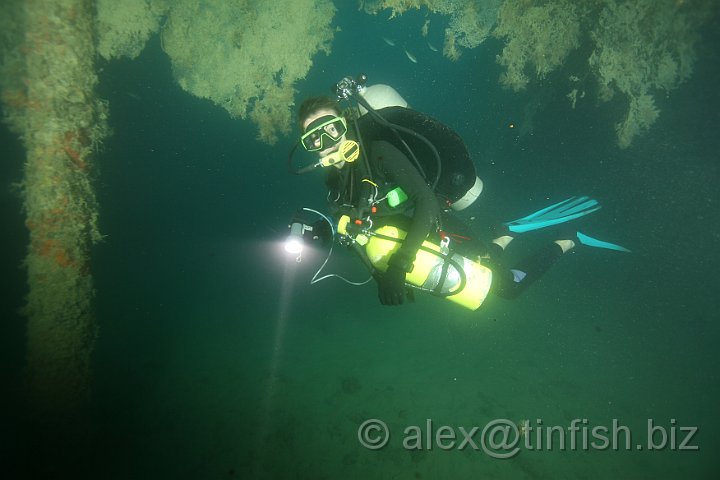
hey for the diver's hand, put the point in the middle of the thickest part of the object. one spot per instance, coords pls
(391, 286)
(322, 231)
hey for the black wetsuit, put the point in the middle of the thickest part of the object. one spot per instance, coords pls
(423, 214)
(390, 169)
(396, 157)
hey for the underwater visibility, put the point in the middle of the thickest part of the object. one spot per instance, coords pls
(321, 239)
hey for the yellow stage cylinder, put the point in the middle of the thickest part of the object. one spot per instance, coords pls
(427, 269)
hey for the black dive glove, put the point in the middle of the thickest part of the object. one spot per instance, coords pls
(322, 232)
(391, 284)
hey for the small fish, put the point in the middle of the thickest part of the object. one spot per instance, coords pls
(388, 41)
(411, 56)
(432, 47)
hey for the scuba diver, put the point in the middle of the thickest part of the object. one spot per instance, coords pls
(395, 176)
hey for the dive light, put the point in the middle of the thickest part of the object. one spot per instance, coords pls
(294, 241)
(320, 231)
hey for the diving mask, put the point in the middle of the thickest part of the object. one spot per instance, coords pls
(323, 133)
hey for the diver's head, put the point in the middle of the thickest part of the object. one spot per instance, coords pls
(312, 104)
(323, 126)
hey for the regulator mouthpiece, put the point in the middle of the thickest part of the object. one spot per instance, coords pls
(349, 151)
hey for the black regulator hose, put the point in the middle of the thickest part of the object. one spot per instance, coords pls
(395, 127)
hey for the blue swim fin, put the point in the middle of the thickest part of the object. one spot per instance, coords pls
(561, 212)
(594, 242)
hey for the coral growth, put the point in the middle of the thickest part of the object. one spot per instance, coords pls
(13, 94)
(125, 26)
(48, 93)
(640, 117)
(246, 56)
(539, 36)
(643, 46)
(638, 47)
(471, 21)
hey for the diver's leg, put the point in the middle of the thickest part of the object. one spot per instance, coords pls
(509, 283)
(463, 238)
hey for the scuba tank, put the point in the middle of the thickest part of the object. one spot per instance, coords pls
(435, 269)
(453, 178)
(383, 114)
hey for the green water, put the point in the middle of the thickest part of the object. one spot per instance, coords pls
(217, 359)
